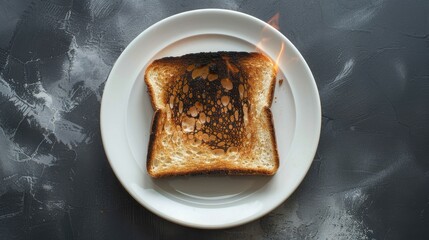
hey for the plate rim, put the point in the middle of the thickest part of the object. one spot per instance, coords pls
(259, 214)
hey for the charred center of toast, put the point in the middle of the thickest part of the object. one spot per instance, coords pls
(209, 103)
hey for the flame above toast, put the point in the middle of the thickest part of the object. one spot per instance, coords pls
(273, 22)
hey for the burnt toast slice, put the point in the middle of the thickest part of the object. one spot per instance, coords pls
(212, 115)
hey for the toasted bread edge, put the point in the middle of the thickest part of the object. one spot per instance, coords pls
(152, 141)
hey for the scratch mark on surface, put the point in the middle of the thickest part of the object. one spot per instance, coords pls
(28, 181)
(19, 124)
(347, 69)
(9, 215)
(337, 16)
(55, 204)
(385, 173)
(340, 79)
(9, 177)
(425, 36)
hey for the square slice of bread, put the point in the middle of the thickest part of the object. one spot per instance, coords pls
(212, 115)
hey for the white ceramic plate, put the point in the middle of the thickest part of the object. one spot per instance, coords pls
(209, 201)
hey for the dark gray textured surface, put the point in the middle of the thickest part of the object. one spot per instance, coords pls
(370, 176)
